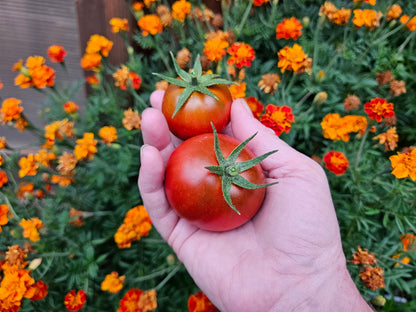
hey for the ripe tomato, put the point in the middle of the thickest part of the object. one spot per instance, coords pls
(196, 115)
(195, 193)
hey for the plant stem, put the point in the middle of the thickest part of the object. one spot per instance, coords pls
(244, 19)
(168, 277)
(360, 149)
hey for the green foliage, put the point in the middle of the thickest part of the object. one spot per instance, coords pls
(374, 208)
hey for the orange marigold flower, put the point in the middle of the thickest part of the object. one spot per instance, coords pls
(70, 107)
(24, 189)
(289, 28)
(255, 106)
(241, 54)
(136, 300)
(181, 9)
(112, 282)
(336, 162)
(397, 87)
(74, 301)
(384, 78)
(148, 3)
(394, 12)
(10, 109)
(388, 138)
(14, 287)
(259, 2)
(183, 58)
(328, 9)
(238, 91)
(38, 291)
(371, 2)
(132, 120)
(23, 81)
(91, 61)
(28, 166)
(410, 23)
(108, 134)
(278, 118)
(150, 24)
(92, 80)
(57, 130)
(1, 85)
(76, 217)
(5, 213)
(3, 142)
(404, 260)
(41, 76)
(31, 227)
(66, 163)
(372, 277)
(378, 108)
(15, 256)
(363, 257)
(99, 44)
(408, 241)
(404, 164)
(214, 49)
(63, 181)
(137, 6)
(269, 83)
(86, 147)
(367, 18)
(293, 58)
(341, 16)
(199, 302)
(44, 158)
(119, 24)
(56, 53)
(337, 128)
(136, 224)
(351, 102)
(3, 178)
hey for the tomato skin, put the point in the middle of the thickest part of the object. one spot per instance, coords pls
(196, 115)
(195, 193)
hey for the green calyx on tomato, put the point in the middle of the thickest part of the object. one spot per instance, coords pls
(194, 81)
(229, 170)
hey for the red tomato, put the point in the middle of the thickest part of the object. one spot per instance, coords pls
(195, 193)
(196, 115)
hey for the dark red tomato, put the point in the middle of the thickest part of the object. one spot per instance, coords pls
(196, 115)
(195, 193)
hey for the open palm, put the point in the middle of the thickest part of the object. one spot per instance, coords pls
(285, 258)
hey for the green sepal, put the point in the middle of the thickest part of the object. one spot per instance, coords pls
(229, 170)
(194, 81)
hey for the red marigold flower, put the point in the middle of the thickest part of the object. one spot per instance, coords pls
(199, 302)
(74, 301)
(278, 118)
(136, 300)
(56, 53)
(255, 106)
(92, 80)
(409, 242)
(70, 107)
(336, 162)
(38, 291)
(378, 108)
(289, 28)
(242, 54)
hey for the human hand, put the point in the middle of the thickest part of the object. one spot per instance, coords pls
(288, 257)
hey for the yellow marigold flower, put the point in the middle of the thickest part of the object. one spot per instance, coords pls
(394, 12)
(238, 90)
(341, 16)
(70, 107)
(5, 214)
(91, 61)
(150, 24)
(113, 283)
(56, 53)
(63, 181)
(410, 23)
(3, 142)
(215, 49)
(86, 147)
(371, 2)
(241, 54)
(28, 166)
(293, 58)
(289, 28)
(136, 224)
(367, 18)
(99, 44)
(269, 83)
(119, 24)
(404, 164)
(404, 260)
(180, 9)
(44, 158)
(31, 227)
(108, 134)
(3, 178)
(372, 277)
(132, 120)
(388, 138)
(10, 109)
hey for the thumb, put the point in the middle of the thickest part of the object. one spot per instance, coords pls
(244, 125)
